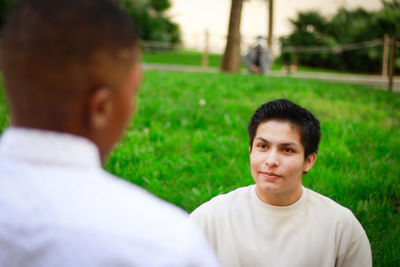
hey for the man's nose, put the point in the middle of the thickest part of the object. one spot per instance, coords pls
(272, 158)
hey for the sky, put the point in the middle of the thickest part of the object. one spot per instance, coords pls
(197, 16)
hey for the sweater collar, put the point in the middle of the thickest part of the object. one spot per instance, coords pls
(277, 210)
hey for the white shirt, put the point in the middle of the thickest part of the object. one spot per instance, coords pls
(314, 231)
(58, 207)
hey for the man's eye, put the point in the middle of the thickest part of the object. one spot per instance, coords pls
(288, 150)
(262, 146)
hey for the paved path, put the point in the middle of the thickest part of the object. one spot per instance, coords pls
(374, 81)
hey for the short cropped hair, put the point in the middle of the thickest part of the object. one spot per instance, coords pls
(285, 110)
(65, 47)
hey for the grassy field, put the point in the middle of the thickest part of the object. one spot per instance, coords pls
(188, 143)
(191, 58)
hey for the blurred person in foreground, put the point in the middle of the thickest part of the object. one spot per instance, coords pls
(257, 59)
(277, 221)
(71, 71)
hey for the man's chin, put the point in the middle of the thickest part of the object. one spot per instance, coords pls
(268, 187)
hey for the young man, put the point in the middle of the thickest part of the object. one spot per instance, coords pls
(277, 221)
(71, 71)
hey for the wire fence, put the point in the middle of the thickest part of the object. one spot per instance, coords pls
(334, 49)
(198, 43)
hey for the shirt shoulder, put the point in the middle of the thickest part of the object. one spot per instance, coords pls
(353, 247)
(328, 207)
(116, 222)
(348, 228)
(68, 246)
(150, 225)
(150, 219)
(222, 204)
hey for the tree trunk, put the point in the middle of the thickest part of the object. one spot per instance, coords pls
(270, 23)
(231, 58)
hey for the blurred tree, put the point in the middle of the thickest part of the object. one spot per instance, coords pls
(148, 15)
(231, 58)
(309, 30)
(5, 6)
(160, 5)
(346, 27)
(152, 23)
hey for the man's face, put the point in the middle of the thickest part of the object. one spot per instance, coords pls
(277, 162)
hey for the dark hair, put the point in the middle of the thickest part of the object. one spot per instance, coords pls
(285, 110)
(65, 46)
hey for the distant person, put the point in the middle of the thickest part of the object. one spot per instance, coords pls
(277, 221)
(71, 71)
(257, 60)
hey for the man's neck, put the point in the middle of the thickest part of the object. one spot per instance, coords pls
(280, 199)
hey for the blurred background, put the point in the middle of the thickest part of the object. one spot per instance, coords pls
(352, 36)
(194, 17)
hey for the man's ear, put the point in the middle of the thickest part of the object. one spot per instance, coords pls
(100, 108)
(309, 162)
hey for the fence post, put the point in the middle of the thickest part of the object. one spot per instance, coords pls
(391, 63)
(385, 55)
(204, 60)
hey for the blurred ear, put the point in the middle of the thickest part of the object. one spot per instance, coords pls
(100, 108)
(309, 162)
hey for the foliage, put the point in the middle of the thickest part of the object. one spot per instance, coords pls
(148, 15)
(152, 23)
(5, 6)
(346, 27)
(160, 5)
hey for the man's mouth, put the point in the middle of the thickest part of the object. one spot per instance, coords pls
(270, 175)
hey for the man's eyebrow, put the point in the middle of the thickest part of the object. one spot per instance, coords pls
(283, 144)
(289, 144)
(262, 139)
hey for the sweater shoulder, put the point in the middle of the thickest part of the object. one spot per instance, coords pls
(332, 210)
(223, 202)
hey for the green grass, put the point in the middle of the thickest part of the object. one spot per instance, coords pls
(190, 58)
(4, 120)
(186, 153)
(311, 69)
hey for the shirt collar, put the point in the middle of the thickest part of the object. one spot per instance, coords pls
(277, 210)
(47, 147)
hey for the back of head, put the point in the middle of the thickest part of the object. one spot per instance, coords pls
(55, 52)
(285, 110)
